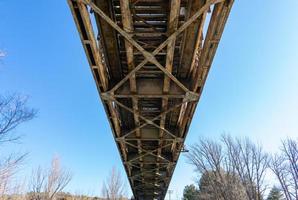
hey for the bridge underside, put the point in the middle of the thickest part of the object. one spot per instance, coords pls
(150, 60)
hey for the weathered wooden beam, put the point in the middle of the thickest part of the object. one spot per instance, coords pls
(95, 59)
(128, 27)
(197, 50)
(172, 27)
(215, 30)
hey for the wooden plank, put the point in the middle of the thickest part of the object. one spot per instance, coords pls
(128, 27)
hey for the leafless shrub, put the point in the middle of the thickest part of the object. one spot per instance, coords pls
(46, 184)
(8, 168)
(37, 184)
(114, 188)
(285, 167)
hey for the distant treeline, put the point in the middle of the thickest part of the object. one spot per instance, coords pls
(59, 196)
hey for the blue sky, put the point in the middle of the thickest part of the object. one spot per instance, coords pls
(251, 89)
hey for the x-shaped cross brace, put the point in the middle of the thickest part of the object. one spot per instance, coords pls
(149, 153)
(149, 57)
(147, 121)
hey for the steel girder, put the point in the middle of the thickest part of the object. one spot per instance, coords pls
(149, 96)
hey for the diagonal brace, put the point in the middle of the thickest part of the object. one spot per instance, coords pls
(143, 118)
(150, 56)
(146, 151)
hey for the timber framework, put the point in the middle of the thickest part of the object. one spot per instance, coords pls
(150, 60)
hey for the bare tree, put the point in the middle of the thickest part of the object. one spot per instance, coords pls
(230, 160)
(209, 160)
(13, 112)
(250, 163)
(285, 167)
(46, 184)
(211, 187)
(114, 188)
(58, 178)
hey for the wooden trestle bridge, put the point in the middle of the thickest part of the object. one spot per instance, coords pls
(150, 60)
